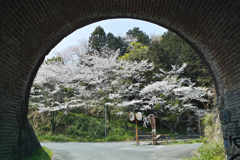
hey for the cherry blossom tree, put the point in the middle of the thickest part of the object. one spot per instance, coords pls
(127, 86)
(110, 76)
(71, 54)
(100, 78)
(170, 98)
(50, 88)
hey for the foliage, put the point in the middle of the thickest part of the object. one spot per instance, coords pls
(109, 77)
(78, 128)
(97, 76)
(42, 153)
(158, 56)
(171, 49)
(210, 151)
(137, 52)
(52, 91)
(141, 37)
(115, 43)
(162, 51)
(164, 130)
(170, 98)
(212, 127)
(57, 59)
(97, 40)
(89, 76)
(213, 148)
(71, 54)
(179, 142)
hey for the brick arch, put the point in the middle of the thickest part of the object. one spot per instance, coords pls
(30, 29)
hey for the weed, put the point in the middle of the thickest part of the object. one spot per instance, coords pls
(213, 148)
(42, 153)
(80, 128)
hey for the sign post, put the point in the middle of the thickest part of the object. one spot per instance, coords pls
(153, 125)
(137, 116)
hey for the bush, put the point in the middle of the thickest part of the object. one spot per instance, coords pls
(212, 127)
(198, 140)
(82, 128)
(46, 128)
(213, 148)
(211, 151)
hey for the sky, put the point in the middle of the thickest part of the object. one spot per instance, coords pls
(118, 27)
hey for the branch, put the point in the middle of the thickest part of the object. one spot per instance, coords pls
(160, 119)
(60, 120)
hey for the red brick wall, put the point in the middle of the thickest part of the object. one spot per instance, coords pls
(31, 28)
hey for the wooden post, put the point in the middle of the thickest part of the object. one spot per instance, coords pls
(155, 134)
(136, 132)
(151, 121)
(154, 128)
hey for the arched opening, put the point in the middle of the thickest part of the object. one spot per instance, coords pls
(120, 48)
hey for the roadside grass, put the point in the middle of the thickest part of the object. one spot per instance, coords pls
(210, 151)
(213, 148)
(42, 154)
(179, 142)
(77, 127)
(176, 142)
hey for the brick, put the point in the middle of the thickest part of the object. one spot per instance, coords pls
(29, 29)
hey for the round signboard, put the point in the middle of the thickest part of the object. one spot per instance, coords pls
(139, 116)
(131, 116)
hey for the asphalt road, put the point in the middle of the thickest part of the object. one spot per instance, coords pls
(118, 151)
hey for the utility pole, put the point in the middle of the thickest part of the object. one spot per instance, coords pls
(105, 121)
(199, 126)
(136, 132)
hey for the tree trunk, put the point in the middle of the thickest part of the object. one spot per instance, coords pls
(53, 123)
(126, 125)
(53, 128)
(85, 110)
(172, 130)
(109, 115)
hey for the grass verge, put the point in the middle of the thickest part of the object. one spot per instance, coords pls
(176, 142)
(210, 151)
(77, 127)
(213, 148)
(42, 154)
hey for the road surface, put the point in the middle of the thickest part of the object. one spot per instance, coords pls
(118, 151)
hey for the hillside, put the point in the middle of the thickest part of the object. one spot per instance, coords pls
(78, 128)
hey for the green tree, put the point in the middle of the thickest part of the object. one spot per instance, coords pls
(116, 43)
(157, 54)
(137, 52)
(97, 40)
(171, 49)
(53, 59)
(140, 35)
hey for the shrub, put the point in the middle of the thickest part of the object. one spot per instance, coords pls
(46, 128)
(212, 127)
(213, 148)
